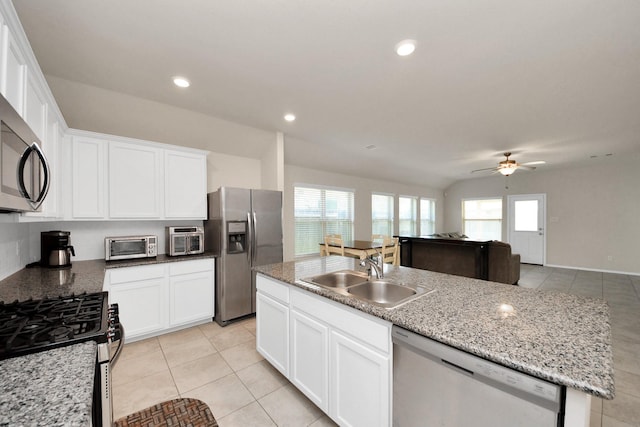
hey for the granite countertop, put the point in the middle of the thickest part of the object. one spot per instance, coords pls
(562, 338)
(82, 276)
(49, 388)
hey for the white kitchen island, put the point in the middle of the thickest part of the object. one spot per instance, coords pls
(337, 349)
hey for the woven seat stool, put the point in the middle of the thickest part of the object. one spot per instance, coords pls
(172, 413)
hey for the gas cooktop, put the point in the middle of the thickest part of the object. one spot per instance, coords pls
(36, 325)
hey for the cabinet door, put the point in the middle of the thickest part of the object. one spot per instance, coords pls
(185, 185)
(190, 297)
(35, 109)
(14, 77)
(359, 383)
(88, 178)
(310, 358)
(272, 329)
(134, 181)
(142, 306)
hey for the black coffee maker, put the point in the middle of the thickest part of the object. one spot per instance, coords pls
(55, 249)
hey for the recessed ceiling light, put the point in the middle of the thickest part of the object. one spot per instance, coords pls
(406, 47)
(289, 117)
(181, 82)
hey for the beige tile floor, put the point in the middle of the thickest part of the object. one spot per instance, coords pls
(221, 367)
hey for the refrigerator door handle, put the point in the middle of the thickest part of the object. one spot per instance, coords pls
(254, 244)
(250, 237)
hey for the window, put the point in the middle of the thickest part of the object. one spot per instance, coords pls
(482, 219)
(320, 211)
(382, 214)
(427, 217)
(408, 215)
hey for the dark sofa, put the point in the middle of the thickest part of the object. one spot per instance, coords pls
(503, 266)
(486, 260)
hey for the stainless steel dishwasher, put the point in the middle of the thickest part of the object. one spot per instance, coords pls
(437, 385)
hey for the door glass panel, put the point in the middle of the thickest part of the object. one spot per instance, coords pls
(526, 215)
(180, 244)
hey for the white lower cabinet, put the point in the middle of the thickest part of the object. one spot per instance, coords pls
(310, 358)
(339, 357)
(360, 383)
(140, 295)
(159, 298)
(272, 326)
(191, 292)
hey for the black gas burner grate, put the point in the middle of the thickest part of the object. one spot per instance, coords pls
(35, 325)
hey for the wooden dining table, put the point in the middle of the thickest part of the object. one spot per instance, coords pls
(357, 248)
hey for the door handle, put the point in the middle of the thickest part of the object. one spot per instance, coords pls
(37, 201)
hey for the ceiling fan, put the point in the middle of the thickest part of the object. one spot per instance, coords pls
(508, 166)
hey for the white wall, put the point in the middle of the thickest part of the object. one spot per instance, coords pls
(273, 166)
(14, 245)
(232, 171)
(87, 237)
(20, 242)
(362, 204)
(94, 109)
(593, 211)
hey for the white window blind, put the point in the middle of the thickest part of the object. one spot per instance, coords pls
(320, 211)
(408, 215)
(427, 217)
(382, 214)
(482, 219)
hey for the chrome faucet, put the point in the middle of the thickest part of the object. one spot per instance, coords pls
(377, 264)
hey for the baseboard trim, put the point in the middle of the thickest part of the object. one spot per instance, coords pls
(628, 273)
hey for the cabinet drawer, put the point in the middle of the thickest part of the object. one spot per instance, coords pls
(134, 274)
(186, 267)
(273, 288)
(369, 329)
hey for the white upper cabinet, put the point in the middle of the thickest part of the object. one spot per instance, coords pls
(121, 178)
(15, 70)
(134, 181)
(88, 160)
(185, 182)
(35, 109)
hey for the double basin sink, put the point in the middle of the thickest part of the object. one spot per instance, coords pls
(380, 292)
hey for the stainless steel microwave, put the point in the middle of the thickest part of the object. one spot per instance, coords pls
(24, 170)
(129, 247)
(185, 240)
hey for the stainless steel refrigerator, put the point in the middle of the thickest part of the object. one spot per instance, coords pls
(244, 228)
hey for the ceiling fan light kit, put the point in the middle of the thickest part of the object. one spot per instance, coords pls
(508, 170)
(507, 166)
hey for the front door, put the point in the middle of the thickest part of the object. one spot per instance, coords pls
(526, 215)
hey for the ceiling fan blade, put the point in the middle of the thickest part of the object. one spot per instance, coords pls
(537, 162)
(485, 169)
(527, 167)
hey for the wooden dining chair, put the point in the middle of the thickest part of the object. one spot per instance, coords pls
(382, 237)
(333, 245)
(391, 251)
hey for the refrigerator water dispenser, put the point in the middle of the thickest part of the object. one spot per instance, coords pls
(236, 237)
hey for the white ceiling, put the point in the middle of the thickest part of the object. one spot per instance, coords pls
(546, 79)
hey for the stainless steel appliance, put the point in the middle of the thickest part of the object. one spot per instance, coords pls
(38, 325)
(434, 384)
(185, 240)
(245, 229)
(129, 247)
(56, 249)
(24, 170)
